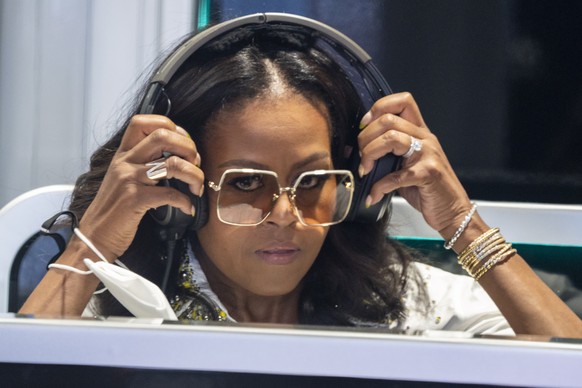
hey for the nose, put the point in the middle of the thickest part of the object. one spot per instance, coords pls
(283, 212)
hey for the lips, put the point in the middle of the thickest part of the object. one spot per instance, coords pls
(278, 254)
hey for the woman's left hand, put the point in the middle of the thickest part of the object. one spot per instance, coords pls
(426, 179)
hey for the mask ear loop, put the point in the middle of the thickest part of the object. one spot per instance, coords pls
(46, 229)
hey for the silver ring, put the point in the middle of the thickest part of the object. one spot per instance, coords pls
(415, 145)
(158, 169)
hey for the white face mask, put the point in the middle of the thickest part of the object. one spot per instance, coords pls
(138, 295)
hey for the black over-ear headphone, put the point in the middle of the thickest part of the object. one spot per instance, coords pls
(357, 65)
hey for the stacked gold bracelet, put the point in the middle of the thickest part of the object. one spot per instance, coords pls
(484, 253)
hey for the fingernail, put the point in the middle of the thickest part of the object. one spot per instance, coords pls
(201, 192)
(184, 131)
(361, 171)
(368, 202)
(365, 120)
(193, 211)
(198, 160)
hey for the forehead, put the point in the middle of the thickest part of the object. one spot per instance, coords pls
(280, 128)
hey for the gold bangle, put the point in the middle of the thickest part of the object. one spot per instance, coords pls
(489, 263)
(493, 246)
(494, 261)
(476, 243)
(485, 252)
(483, 249)
(476, 253)
(471, 264)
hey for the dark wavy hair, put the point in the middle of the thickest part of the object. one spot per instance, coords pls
(360, 275)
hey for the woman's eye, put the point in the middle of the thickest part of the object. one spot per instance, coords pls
(247, 183)
(311, 181)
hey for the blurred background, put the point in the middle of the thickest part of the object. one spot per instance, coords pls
(498, 81)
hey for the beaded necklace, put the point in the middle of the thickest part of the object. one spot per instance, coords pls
(194, 299)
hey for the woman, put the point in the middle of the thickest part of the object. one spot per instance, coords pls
(268, 100)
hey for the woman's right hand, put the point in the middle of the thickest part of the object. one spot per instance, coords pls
(127, 193)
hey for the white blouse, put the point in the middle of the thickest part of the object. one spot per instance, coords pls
(457, 303)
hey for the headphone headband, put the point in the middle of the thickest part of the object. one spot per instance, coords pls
(371, 77)
(175, 60)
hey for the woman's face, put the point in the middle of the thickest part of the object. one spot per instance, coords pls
(285, 134)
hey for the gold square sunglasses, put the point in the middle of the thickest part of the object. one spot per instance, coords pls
(246, 197)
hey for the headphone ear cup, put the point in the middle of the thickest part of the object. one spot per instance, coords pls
(201, 206)
(173, 222)
(358, 210)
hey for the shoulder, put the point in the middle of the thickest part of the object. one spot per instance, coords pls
(453, 302)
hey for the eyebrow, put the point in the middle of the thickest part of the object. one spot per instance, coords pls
(246, 163)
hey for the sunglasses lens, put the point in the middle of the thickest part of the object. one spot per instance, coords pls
(323, 198)
(246, 198)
